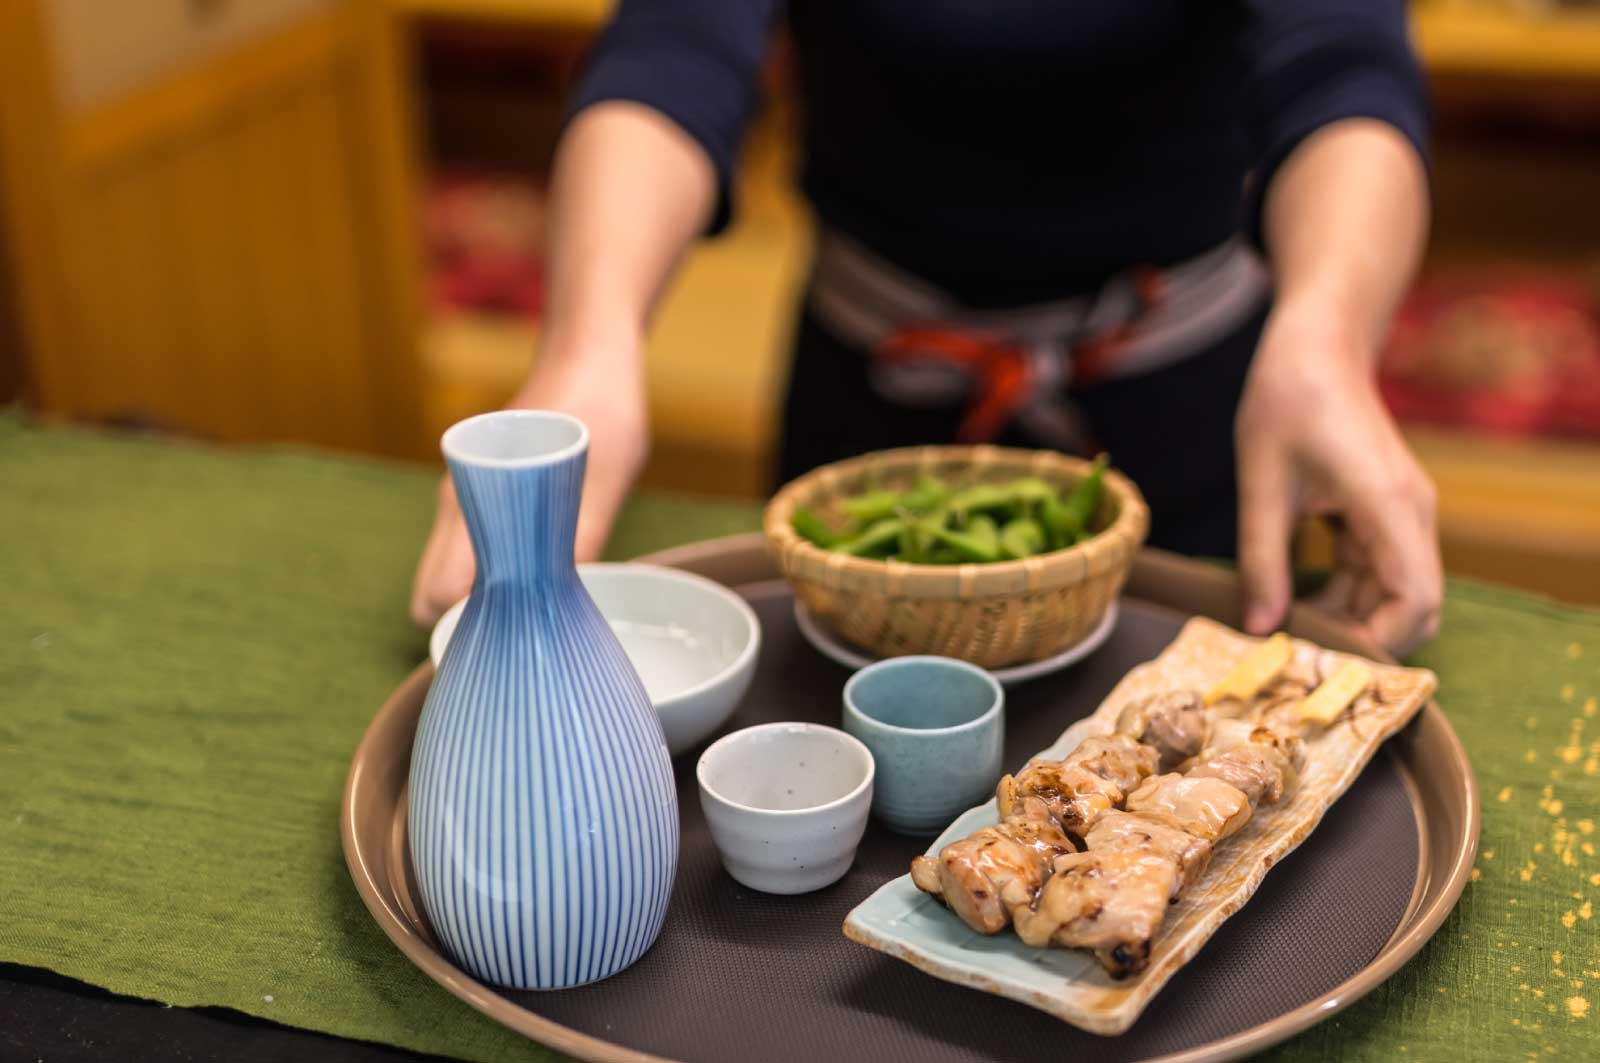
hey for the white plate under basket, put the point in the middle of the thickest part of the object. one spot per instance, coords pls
(832, 646)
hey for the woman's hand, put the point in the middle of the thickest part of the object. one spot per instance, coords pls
(1344, 219)
(602, 389)
(629, 189)
(1315, 439)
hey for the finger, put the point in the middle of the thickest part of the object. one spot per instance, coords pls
(591, 541)
(1266, 521)
(1349, 569)
(1402, 611)
(431, 547)
(446, 569)
(451, 579)
(1348, 553)
(1338, 593)
(1399, 628)
(1367, 596)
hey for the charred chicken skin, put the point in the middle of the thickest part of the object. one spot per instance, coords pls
(1158, 846)
(1092, 779)
(1154, 833)
(985, 876)
(988, 874)
(1146, 837)
(1111, 902)
(1199, 805)
(1175, 724)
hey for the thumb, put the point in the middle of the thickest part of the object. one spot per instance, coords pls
(446, 568)
(1266, 520)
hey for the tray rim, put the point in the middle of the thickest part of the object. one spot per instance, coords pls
(1166, 579)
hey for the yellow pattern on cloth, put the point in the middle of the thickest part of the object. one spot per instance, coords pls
(193, 639)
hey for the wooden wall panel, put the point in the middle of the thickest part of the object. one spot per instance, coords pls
(276, 259)
(30, 196)
(220, 286)
(222, 305)
(102, 47)
(337, 266)
(219, 244)
(11, 378)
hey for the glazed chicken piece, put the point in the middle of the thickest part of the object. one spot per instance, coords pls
(1092, 779)
(1116, 758)
(1261, 761)
(1226, 734)
(1113, 897)
(1033, 825)
(1074, 795)
(1112, 902)
(985, 876)
(1230, 734)
(1175, 723)
(1258, 771)
(1204, 807)
(973, 875)
(988, 874)
(1152, 833)
(1285, 741)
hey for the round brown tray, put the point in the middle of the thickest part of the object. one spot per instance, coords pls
(739, 975)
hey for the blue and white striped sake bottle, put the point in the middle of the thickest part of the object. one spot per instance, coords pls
(543, 814)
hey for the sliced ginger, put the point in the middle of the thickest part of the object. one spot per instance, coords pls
(1324, 704)
(1259, 667)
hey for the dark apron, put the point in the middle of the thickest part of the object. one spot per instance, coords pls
(1149, 369)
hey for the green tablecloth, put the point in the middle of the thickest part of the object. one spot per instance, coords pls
(192, 641)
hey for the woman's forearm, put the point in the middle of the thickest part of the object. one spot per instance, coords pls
(629, 192)
(1346, 218)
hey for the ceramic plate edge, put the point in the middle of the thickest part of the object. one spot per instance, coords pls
(835, 649)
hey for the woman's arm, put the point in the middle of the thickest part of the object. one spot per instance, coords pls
(644, 167)
(1344, 219)
(630, 190)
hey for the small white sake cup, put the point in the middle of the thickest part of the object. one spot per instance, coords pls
(787, 804)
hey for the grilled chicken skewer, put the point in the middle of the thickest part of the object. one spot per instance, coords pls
(1175, 724)
(1091, 779)
(986, 876)
(1110, 901)
(1156, 833)
(993, 872)
(1113, 897)
(1261, 761)
(1221, 756)
(990, 875)
(1207, 808)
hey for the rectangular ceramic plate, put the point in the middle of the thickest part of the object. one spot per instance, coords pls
(912, 926)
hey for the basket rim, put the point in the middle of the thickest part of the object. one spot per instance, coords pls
(1108, 550)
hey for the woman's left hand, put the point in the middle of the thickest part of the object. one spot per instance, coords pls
(1314, 438)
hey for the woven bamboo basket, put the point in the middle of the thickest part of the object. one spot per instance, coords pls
(993, 615)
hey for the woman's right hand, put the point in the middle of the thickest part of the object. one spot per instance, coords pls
(629, 189)
(601, 387)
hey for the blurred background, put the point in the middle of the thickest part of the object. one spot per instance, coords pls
(319, 221)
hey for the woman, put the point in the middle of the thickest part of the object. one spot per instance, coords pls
(1038, 223)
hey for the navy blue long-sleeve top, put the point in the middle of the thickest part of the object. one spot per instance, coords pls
(1022, 150)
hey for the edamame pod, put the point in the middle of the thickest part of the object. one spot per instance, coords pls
(1022, 537)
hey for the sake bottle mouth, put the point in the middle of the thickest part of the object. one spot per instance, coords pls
(515, 439)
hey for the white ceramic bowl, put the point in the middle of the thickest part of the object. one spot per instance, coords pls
(693, 641)
(786, 803)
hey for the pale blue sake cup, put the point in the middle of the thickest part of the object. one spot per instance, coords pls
(936, 729)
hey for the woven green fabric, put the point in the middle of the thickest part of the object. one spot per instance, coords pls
(192, 641)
